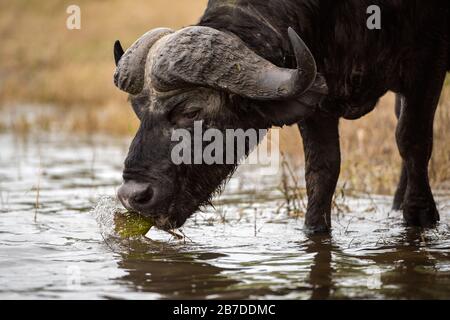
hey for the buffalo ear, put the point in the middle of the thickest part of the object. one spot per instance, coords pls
(118, 51)
(286, 113)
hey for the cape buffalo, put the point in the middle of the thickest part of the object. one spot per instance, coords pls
(244, 65)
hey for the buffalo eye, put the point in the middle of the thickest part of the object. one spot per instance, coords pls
(191, 115)
(184, 118)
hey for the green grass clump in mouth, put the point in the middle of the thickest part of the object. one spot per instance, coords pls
(131, 224)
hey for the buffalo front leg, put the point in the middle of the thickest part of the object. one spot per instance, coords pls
(403, 182)
(320, 135)
(415, 141)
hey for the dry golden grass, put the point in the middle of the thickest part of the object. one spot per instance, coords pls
(42, 62)
(370, 157)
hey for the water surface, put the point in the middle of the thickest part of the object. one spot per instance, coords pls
(55, 189)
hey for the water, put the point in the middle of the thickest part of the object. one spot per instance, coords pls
(247, 248)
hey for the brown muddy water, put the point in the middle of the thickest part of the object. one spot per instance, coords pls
(57, 241)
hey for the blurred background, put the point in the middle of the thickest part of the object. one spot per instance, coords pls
(54, 79)
(64, 134)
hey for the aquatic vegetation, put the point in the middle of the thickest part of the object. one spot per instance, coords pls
(130, 224)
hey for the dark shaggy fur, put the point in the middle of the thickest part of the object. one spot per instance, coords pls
(409, 55)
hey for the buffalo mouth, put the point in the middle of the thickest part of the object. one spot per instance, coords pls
(167, 222)
(163, 221)
(168, 209)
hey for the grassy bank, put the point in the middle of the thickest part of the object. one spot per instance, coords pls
(44, 63)
(370, 157)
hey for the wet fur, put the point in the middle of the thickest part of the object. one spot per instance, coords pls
(410, 56)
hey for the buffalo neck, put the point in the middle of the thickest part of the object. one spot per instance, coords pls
(264, 30)
(359, 64)
(261, 27)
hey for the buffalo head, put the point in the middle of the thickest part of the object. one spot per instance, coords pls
(174, 80)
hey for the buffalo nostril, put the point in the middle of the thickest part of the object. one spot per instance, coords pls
(135, 193)
(143, 197)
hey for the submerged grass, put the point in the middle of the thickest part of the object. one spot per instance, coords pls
(295, 195)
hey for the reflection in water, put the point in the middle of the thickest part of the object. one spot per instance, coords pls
(405, 269)
(172, 274)
(415, 268)
(321, 274)
(247, 248)
(175, 274)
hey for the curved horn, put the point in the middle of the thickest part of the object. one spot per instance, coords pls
(208, 57)
(129, 75)
(306, 64)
